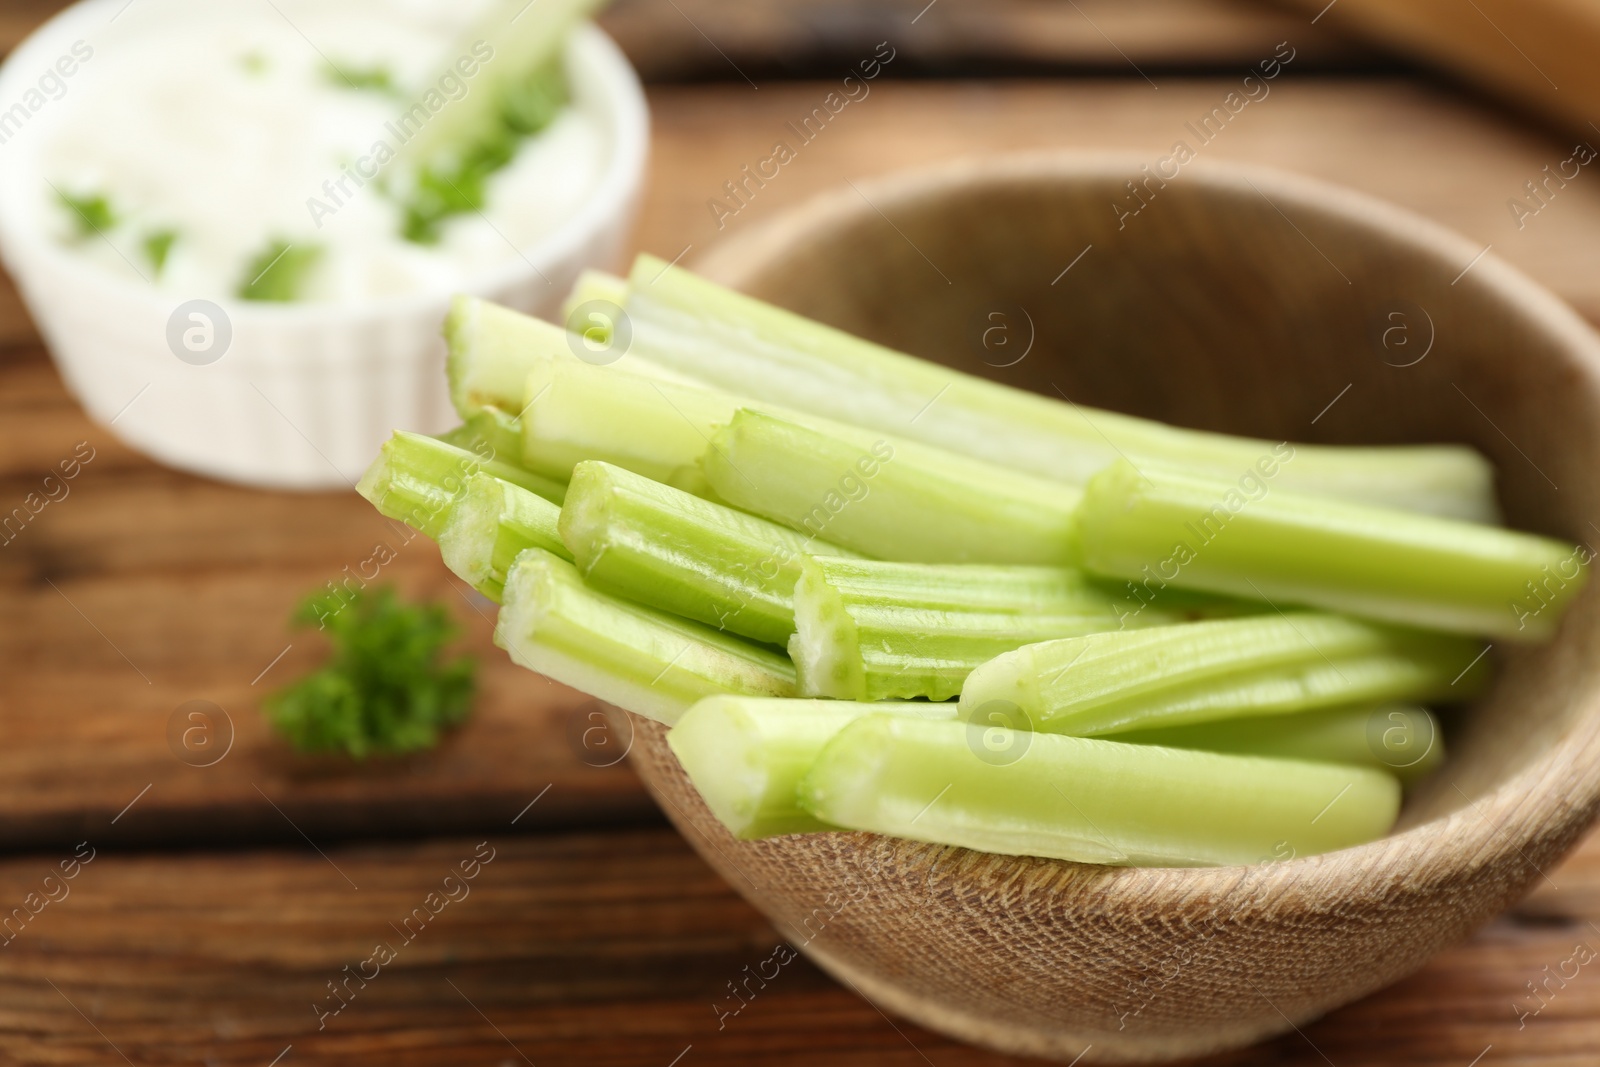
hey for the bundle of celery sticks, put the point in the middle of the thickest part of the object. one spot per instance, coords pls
(871, 592)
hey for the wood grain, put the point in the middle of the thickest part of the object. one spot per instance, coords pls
(607, 949)
(143, 589)
(1537, 52)
(715, 40)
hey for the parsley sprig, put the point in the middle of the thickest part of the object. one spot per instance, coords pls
(386, 689)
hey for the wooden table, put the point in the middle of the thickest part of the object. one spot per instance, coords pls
(221, 900)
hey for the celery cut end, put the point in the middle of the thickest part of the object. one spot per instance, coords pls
(640, 659)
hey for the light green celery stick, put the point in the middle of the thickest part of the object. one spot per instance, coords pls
(518, 37)
(872, 630)
(595, 286)
(1264, 665)
(1290, 548)
(416, 478)
(646, 661)
(746, 755)
(493, 349)
(491, 432)
(888, 498)
(1089, 800)
(671, 550)
(734, 342)
(490, 525)
(1402, 739)
(576, 411)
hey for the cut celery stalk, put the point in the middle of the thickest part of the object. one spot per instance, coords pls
(646, 661)
(523, 36)
(493, 349)
(490, 525)
(592, 286)
(734, 342)
(870, 630)
(888, 498)
(1089, 800)
(1279, 546)
(416, 478)
(746, 755)
(576, 411)
(491, 432)
(1402, 739)
(666, 548)
(1171, 675)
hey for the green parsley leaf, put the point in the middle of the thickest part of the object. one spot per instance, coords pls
(386, 689)
(369, 79)
(156, 246)
(278, 272)
(91, 213)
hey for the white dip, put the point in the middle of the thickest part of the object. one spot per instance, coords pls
(224, 122)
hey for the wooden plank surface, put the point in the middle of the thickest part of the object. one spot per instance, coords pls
(604, 949)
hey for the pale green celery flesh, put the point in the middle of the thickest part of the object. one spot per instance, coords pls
(490, 525)
(591, 286)
(734, 342)
(576, 411)
(1089, 800)
(670, 550)
(492, 433)
(646, 661)
(1402, 739)
(523, 37)
(746, 755)
(872, 630)
(1204, 671)
(416, 479)
(492, 350)
(888, 498)
(1291, 548)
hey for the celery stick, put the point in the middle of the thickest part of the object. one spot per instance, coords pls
(665, 548)
(576, 412)
(733, 342)
(493, 349)
(489, 525)
(511, 39)
(1280, 546)
(646, 661)
(889, 498)
(594, 286)
(416, 478)
(1088, 800)
(870, 630)
(491, 432)
(1264, 665)
(1402, 739)
(746, 755)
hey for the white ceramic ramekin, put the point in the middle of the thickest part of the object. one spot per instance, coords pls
(304, 394)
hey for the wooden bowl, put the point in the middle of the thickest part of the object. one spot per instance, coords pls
(1241, 300)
